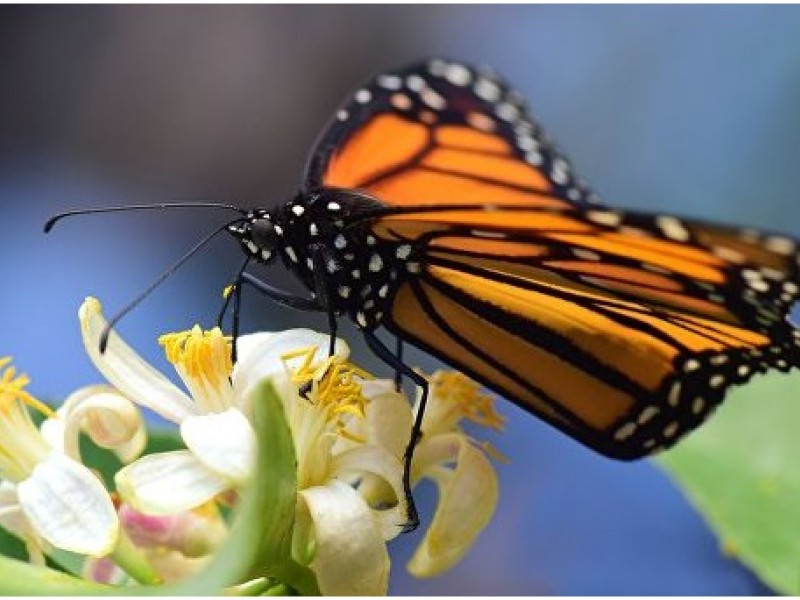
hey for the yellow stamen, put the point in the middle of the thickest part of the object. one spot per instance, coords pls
(335, 382)
(12, 388)
(465, 395)
(200, 353)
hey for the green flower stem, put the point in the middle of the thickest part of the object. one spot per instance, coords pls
(133, 561)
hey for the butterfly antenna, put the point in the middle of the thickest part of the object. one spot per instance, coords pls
(159, 280)
(131, 207)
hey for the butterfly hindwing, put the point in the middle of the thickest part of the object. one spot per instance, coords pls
(622, 329)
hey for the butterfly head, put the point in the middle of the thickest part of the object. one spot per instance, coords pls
(258, 235)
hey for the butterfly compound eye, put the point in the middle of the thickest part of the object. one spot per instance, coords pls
(264, 234)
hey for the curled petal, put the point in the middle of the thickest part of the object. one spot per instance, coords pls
(224, 442)
(69, 507)
(349, 554)
(129, 372)
(168, 482)
(260, 355)
(109, 418)
(467, 500)
(388, 470)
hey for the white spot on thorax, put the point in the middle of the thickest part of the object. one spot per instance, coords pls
(363, 96)
(332, 266)
(312, 229)
(403, 252)
(340, 241)
(344, 291)
(290, 253)
(342, 115)
(298, 209)
(334, 206)
(375, 263)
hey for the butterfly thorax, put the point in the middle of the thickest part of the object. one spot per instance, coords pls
(327, 232)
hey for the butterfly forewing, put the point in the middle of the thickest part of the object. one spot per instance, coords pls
(441, 132)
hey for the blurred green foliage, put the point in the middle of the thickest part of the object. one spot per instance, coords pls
(741, 470)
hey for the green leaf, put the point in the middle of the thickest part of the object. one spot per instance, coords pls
(741, 470)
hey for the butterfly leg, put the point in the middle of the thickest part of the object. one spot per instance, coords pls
(280, 296)
(236, 294)
(320, 257)
(398, 375)
(386, 355)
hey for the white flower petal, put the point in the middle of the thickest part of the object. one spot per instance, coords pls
(467, 500)
(128, 372)
(260, 355)
(350, 556)
(224, 442)
(378, 462)
(168, 482)
(69, 507)
(389, 418)
(109, 418)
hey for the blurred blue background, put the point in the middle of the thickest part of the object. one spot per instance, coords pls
(695, 110)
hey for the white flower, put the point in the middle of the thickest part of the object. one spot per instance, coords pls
(46, 497)
(337, 532)
(456, 463)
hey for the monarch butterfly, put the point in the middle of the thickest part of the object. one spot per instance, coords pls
(435, 207)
